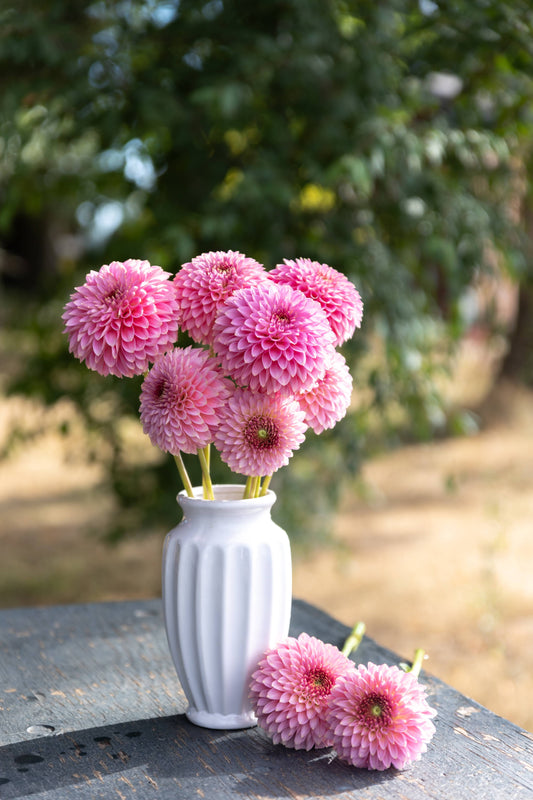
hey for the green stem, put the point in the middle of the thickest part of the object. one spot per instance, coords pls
(187, 485)
(266, 484)
(416, 666)
(207, 453)
(354, 639)
(252, 487)
(206, 478)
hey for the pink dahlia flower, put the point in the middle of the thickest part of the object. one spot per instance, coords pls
(122, 318)
(327, 401)
(290, 689)
(206, 282)
(336, 294)
(272, 338)
(258, 433)
(379, 717)
(181, 400)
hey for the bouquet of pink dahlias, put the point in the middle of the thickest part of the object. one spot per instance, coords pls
(265, 368)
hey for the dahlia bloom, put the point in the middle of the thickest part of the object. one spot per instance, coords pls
(290, 688)
(327, 401)
(182, 398)
(204, 283)
(271, 338)
(122, 318)
(257, 434)
(379, 717)
(336, 294)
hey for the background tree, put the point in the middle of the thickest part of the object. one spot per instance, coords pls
(390, 140)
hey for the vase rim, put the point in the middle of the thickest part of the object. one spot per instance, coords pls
(225, 493)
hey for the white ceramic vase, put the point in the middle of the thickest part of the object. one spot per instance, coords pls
(227, 588)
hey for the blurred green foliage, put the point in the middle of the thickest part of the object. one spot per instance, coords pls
(389, 139)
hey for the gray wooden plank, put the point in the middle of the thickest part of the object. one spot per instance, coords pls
(101, 676)
(84, 664)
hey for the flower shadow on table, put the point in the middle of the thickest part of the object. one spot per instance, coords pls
(313, 774)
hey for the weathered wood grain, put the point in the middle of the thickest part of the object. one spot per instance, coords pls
(90, 707)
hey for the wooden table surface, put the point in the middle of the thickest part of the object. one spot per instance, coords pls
(91, 707)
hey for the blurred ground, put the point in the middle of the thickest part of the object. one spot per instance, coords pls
(435, 549)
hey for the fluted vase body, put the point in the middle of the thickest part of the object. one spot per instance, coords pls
(227, 586)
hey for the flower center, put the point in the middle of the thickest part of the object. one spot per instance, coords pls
(318, 683)
(375, 711)
(114, 296)
(168, 397)
(160, 388)
(222, 267)
(261, 433)
(279, 322)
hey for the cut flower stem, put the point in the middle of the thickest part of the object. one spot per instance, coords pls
(254, 488)
(416, 666)
(354, 639)
(253, 485)
(207, 452)
(184, 475)
(266, 484)
(206, 478)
